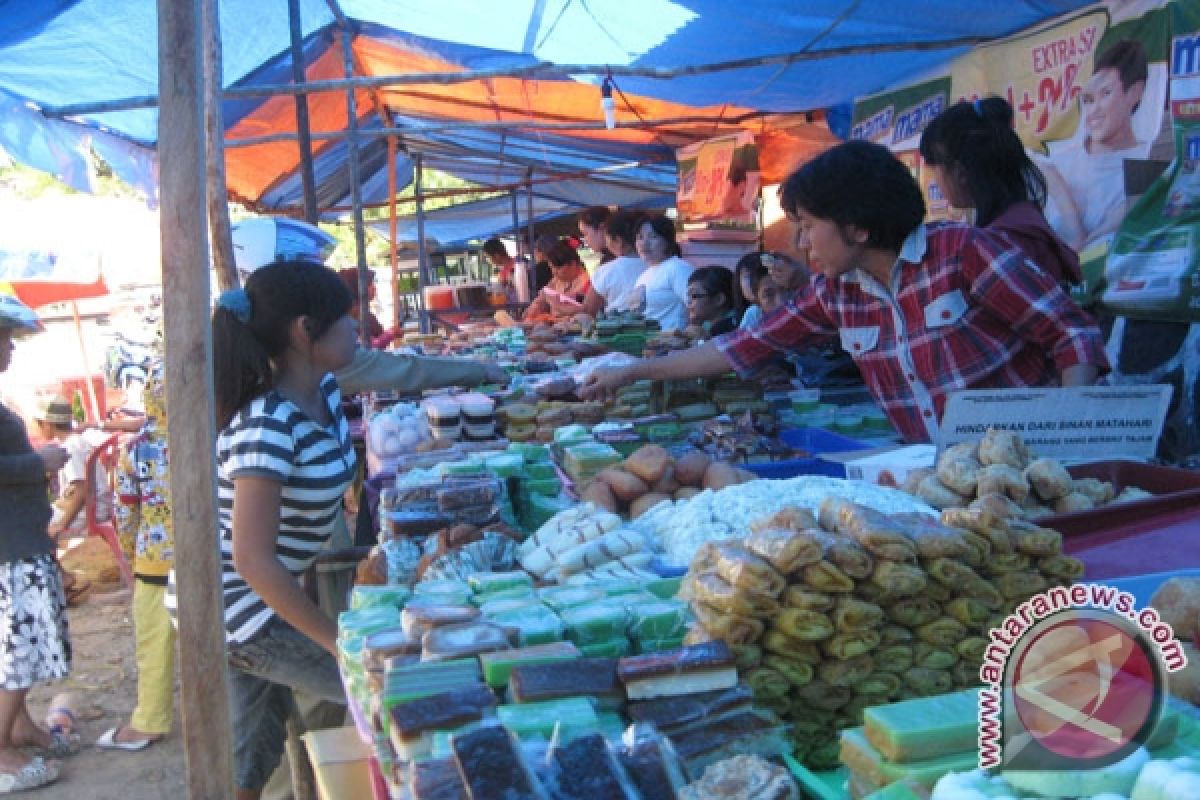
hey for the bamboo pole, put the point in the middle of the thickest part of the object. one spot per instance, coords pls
(93, 403)
(307, 178)
(543, 70)
(217, 196)
(207, 741)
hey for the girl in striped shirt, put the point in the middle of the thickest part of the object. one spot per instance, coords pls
(284, 458)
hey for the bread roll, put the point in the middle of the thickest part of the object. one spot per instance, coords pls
(1178, 603)
(689, 468)
(648, 463)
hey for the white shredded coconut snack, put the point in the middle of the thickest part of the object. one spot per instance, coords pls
(682, 526)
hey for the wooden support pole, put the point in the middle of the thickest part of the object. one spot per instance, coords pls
(360, 240)
(216, 193)
(422, 253)
(531, 275)
(307, 177)
(394, 250)
(207, 740)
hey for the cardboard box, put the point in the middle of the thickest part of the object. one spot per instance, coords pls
(339, 760)
(892, 466)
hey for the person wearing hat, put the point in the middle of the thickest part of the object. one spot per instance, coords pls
(33, 621)
(57, 423)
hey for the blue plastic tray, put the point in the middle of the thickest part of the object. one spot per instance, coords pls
(815, 441)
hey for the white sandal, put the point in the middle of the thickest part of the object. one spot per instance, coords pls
(34, 775)
(108, 741)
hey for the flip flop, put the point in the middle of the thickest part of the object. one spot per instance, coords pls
(108, 741)
(35, 774)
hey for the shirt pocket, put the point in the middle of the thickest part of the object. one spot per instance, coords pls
(857, 341)
(945, 310)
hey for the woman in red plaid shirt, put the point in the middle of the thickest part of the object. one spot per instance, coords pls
(923, 310)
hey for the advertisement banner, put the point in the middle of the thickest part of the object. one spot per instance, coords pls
(1096, 97)
(719, 183)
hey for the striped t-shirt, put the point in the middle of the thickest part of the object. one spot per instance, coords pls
(272, 438)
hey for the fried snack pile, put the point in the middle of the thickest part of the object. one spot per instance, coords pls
(832, 613)
(1000, 475)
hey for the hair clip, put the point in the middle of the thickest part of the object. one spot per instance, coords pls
(236, 302)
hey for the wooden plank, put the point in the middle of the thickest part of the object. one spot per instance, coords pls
(220, 233)
(206, 719)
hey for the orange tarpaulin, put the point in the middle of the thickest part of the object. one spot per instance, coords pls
(784, 140)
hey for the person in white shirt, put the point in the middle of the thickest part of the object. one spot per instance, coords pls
(1086, 180)
(662, 287)
(56, 424)
(613, 282)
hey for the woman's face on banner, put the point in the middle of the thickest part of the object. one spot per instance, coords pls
(1108, 107)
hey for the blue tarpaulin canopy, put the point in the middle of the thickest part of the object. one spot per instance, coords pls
(80, 75)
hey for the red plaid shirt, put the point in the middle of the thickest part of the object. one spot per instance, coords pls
(966, 311)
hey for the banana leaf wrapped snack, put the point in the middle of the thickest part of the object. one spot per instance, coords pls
(893, 658)
(800, 597)
(745, 571)
(821, 695)
(991, 526)
(825, 577)
(1001, 563)
(807, 626)
(969, 611)
(733, 629)
(846, 672)
(852, 614)
(891, 633)
(932, 538)
(943, 632)
(1035, 541)
(925, 681)
(716, 592)
(850, 644)
(898, 580)
(914, 611)
(766, 682)
(934, 657)
(848, 556)
(972, 649)
(781, 644)
(1020, 584)
(1061, 567)
(785, 549)
(879, 685)
(870, 528)
(798, 673)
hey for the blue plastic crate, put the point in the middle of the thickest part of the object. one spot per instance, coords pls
(819, 440)
(815, 441)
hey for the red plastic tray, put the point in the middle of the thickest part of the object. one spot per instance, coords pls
(1150, 535)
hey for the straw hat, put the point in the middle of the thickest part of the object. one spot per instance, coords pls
(56, 411)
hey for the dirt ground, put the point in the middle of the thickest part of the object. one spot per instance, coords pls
(103, 682)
